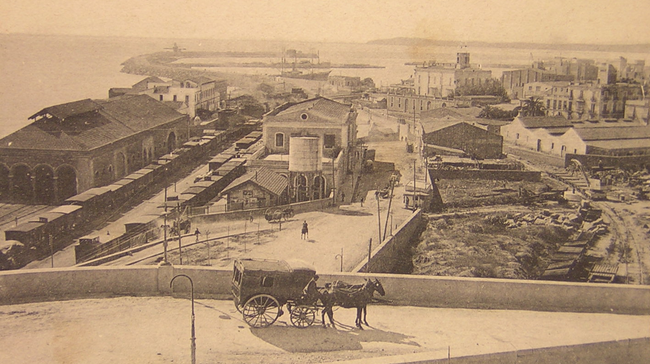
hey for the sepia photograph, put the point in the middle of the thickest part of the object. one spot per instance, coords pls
(307, 182)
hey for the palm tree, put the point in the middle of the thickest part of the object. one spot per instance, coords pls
(533, 107)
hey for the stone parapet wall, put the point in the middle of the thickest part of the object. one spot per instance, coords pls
(487, 174)
(386, 256)
(405, 290)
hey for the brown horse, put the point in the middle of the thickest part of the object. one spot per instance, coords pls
(349, 296)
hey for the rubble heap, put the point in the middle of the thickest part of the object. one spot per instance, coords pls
(497, 245)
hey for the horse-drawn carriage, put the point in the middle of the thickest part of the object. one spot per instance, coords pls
(261, 287)
(277, 214)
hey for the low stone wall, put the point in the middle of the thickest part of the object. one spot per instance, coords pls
(456, 292)
(635, 162)
(404, 290)
(386, 257)
(621, 351)
(314, 205)
(533, 156)
(491, 174)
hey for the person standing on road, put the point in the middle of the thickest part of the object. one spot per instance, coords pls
(305, 231)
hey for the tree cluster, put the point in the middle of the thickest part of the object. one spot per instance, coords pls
(492, 112)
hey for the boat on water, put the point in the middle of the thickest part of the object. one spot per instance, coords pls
(316, 76)
(306, 71)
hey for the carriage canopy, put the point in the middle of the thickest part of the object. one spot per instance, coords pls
(278, 278)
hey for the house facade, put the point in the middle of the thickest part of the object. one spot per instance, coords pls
(474, 140)
(186, 95)
(334, 123)
(258, 188)
(72, 147)
(559, 137)
(638, 110)
(516, 82)
(537, 133)
(590, 100)
(441, 79)
(344, 83)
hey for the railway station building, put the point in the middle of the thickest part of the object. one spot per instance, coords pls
(75, 146)
(323, 133)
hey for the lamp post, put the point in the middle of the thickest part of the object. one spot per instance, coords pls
(197, 233)
(369, 254)
(193, 337)
(340, 256)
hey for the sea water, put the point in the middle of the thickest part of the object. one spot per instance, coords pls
(37, 71)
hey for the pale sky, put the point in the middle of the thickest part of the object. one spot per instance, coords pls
(538, 21)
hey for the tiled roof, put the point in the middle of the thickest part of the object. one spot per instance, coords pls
(533, 122)
(438, 125)
(318, 110)
(140, 112)
(114, 119)
(614, 133)
(142, 85)
(620, 144)
(198, 80)
(66, 110)
(440, 113)
(262, 177)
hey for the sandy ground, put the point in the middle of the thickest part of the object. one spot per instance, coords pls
(157, 330)
(333, 232)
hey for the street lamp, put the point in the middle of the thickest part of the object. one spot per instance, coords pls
(193, 338)
(340, 256)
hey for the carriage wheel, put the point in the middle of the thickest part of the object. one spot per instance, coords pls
(237, 306)
(303, 316)
(261, 310)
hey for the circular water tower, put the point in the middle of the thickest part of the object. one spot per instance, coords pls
(305, 154)
(306, 181)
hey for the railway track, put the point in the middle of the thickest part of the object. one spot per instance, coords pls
(9, 213)
(631, 253)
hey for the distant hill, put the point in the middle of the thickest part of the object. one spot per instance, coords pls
(423, 42)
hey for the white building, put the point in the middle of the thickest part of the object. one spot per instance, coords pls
(538, 133)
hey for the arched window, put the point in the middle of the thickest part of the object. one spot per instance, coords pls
(279, 140)
(66, 182)
(5, 182)
(22, 188)
(301, 188)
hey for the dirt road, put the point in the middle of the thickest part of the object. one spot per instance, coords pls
(157, 330)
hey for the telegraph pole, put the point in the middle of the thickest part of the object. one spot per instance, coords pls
(390, 201)
(414, 181)
(165, 229)
(378, 215)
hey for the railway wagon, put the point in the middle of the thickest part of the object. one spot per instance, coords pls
(219, 160)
